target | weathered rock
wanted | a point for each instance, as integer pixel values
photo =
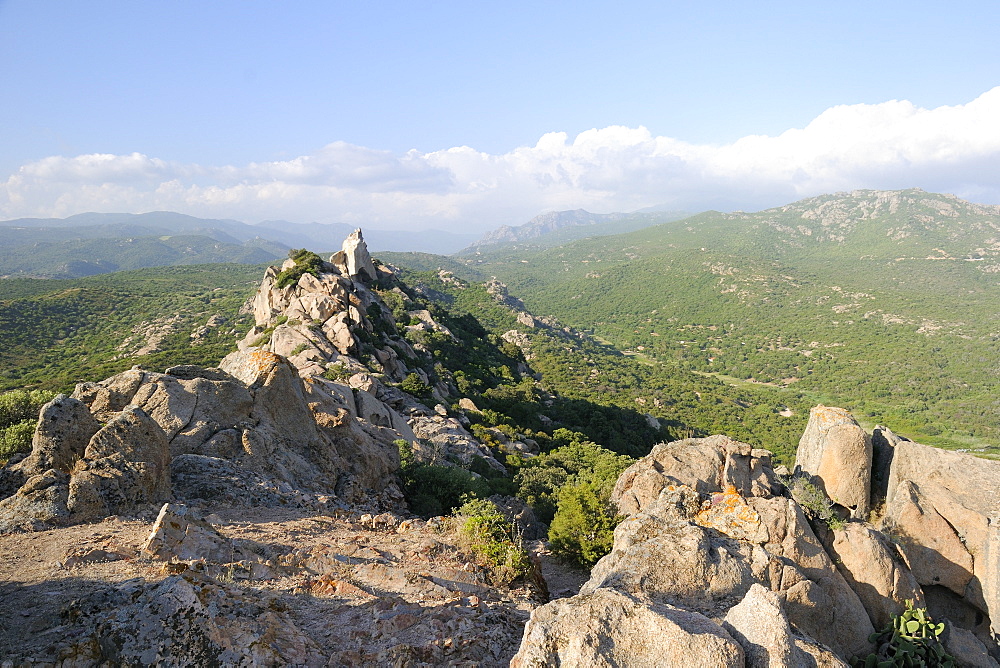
(608, 628)
(875, 571)
(41, 499)
(936, 553)
(759, 624)
(835, 450)
(359, 262)
(679, 564)
(65, 426)
(706, 464)
(190, 619)
(967, 649)
(179, 533)
(819, 601)
(125, 468)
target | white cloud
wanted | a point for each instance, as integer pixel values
(890, 145)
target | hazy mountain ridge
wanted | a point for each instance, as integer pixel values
(68, 247)
(556, 227)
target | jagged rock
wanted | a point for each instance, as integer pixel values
(467, 404)
(818, 600)
(220, 482)
(935, 551)
(706, 464)
(41, 499)
(874, 570)
(179, 533)
(759, 624)
(193, 620)
(111, 396)
(125, 468)
(65, 426)
(359, 262)
(967, 649)
(448, 441)
(835, 450)
(608, 628)
(680, 564)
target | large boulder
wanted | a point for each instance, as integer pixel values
(359, 262)
(705, 464)
(875, 570)
(945, 509)
(609, 628)
(125, 468)
(837, 452)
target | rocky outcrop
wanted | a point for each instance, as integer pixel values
(707, 465)
(194, 620)
(707, 522)
(944, 508)
(837, 453)
(609, 628)
(875, 569)
(123, 469)
(356, 257)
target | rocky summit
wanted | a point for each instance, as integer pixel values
(253, 514)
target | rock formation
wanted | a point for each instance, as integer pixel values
(712, 532)
(837, 452)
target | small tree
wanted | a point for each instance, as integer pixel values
(583, 529)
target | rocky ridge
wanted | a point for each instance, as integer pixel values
(716, 552)
(301, 422)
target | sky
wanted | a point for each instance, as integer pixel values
(466, 116)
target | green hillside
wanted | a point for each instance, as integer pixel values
(887, 303)
(59, 332)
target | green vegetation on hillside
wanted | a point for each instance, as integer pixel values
(60, 332)
(884, 303)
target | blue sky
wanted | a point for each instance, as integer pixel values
(471, 115)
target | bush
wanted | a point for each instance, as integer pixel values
(20, 405)
(306, 262)
(815, 501)
(436, 490)
(18, 417)
(16, 438)
(582, 530)
(494, 540)
(414, 386)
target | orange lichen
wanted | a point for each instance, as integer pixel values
(729, 513)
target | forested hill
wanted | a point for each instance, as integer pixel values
(886, 302)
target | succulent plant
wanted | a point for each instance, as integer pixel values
(911, 639)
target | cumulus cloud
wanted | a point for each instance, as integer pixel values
(889, 145)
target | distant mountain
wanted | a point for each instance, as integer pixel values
(79, 257)
(329, 237)
(558, 227)
(95, 243)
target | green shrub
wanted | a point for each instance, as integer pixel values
(414, 386)
(815, 501)
(20, 405)
(910, 639)
(582, 530)
(16, 438)
(436, 490)
(298, 349)
(494, 540)
(306, 262)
